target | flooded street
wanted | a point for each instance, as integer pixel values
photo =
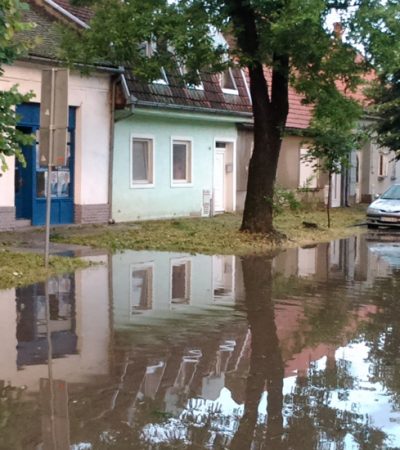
(152, 350)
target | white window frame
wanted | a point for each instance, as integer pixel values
(150, 47)
(189, 164)
(142, 184)
(225, 90)
(188, 280)
(147, 266)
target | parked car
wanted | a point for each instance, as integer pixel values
(385, 210)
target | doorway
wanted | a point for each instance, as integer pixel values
(224, 177)
(31, 180)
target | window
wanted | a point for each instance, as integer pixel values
(142, 162)
(198, 86)
(228, 82)
(149, 49)
(141, 288)
(60, 184)
(180, 282)
(383, 165)
(181, 162)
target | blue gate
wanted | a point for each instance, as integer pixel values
(31, 181)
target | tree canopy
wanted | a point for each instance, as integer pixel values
(378, 32)
(291, 38)
(10, 49)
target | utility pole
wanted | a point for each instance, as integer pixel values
(53, 132)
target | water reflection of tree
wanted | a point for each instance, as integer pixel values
(266, 365)
(382, 334)
(304, 418)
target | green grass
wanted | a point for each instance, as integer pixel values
(218, 235)
(18, 269)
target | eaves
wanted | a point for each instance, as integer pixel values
(218, 113)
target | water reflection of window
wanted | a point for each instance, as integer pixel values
(32, 324)
(142, 288)
(180, 282)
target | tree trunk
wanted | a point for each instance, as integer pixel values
(270, 113)
(270, 109)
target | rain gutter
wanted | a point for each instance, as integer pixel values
(199, 109)
(49, 60)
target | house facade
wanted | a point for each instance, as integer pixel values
(175, 146)
(80, 189)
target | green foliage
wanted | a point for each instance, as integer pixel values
(10, 48)
(334, 132)
(387, 111)
(285, 199)
(376, 27)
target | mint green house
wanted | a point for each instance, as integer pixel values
(175, 146)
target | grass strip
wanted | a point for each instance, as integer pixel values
(217, 235)
(19, 269)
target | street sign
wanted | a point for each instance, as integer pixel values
(53, 118)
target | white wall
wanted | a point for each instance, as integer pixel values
(7, 194)
(91, 97)
(92, 329)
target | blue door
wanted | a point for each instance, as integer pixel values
(31, 181)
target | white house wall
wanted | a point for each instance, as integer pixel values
(163, 198)
(90, 95)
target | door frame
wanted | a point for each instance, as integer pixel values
(62, 207)
(231, 186)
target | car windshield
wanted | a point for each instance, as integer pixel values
(393, 193)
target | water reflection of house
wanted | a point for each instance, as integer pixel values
(161, 282)
(202, 383)
(334, 260)
(79, 328)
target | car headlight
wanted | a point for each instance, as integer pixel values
(373, 211)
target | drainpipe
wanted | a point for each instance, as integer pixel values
(130, 102)
(111, 149)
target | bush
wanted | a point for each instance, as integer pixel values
(285, 199)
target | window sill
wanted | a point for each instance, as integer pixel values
(181, 185)
(142, 186)
(230, 91)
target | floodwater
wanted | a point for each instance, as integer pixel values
(155, 350)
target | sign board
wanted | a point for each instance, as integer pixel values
(53, 117)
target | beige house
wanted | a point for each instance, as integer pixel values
(81, 189)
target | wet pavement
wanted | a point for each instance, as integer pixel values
(158, 350)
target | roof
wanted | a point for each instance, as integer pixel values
(177, 94)
(300, 114)
(44, 34)
(81, 12)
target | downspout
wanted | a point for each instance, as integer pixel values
(130, 101)
(111, 149)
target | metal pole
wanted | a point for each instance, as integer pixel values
(48, 187)
(50, 366)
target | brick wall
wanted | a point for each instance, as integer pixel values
(92, 213)
(7, 218)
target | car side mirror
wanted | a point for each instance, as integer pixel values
(376, 196)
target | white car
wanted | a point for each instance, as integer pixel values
(385, 210)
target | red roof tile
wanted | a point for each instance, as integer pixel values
(83, 13)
